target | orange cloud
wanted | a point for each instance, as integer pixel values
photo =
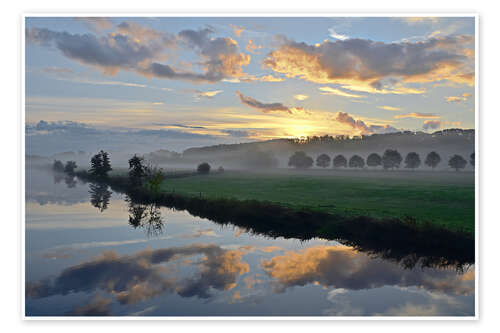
(389, 108)
(343, 267)
(362, 62)
(237, 30)
(458, 99)
(417, 115)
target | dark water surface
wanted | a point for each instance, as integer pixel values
(90, 251)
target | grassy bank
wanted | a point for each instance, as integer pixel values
(443, 199)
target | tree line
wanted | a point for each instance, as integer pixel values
(391, 159)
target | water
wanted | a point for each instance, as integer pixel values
(90, 251)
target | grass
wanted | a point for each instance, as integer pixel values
(444, 199)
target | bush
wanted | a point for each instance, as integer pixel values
(203, 168)
(300, 160)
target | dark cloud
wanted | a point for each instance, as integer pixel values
(431, 124)
(237, 133)
(345, 118)
(264, 107)
(109, 53)
(133, 47)
(142, 276)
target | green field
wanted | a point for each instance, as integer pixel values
(442, 198)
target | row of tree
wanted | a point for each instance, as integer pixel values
(391, 159)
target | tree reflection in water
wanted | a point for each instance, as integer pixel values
(147, 216)
(99, 196)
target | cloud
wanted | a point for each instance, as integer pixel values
(237, 133)
(96, 24)
(344, 268)
(270, 78)
(237, 30)
(420, 19)
(379, 65)
(300, 97)
(141, 276)
(458, 99)
(389, 108)
(109, 53)
(207, 94)
(334, 91)
(361, 126)
(252, 47)
(417, 115)
(336, 35)
(133, 47)
(431, 124)
(99, 306)
(263, 107)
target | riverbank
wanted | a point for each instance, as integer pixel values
(442, 199)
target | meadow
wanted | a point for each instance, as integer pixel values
(444, 199)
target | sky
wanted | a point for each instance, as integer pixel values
(146, 83)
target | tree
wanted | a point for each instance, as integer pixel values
(374, 160)
(300, 160)
(100, 165)
(106, 164)
(391, 159)
(473, 159)
(457, 162)
(58, 166)
(136, 170)
(432, 159)
(96, 165)
(412, 160)
(356, 162)
(323, 161)
(203, 168)
(340, 161)
(70, 167)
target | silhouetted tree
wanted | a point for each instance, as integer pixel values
(340, 161)
(58, 166)
(106, 164)
(391, 159)
(96, 165)
(374, 160)
(220, 169)
(473, 159)
(70, 167)
(300, 160)
(147, 217)
(323, 161)
(137, 171)
(432, 159)
(203, 168)
(356, 162)
(412, 160)
(457, 162)
(100, 165)
(99, 196)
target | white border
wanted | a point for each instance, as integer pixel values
(256, 14)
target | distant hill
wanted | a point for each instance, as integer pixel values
(446, 142)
